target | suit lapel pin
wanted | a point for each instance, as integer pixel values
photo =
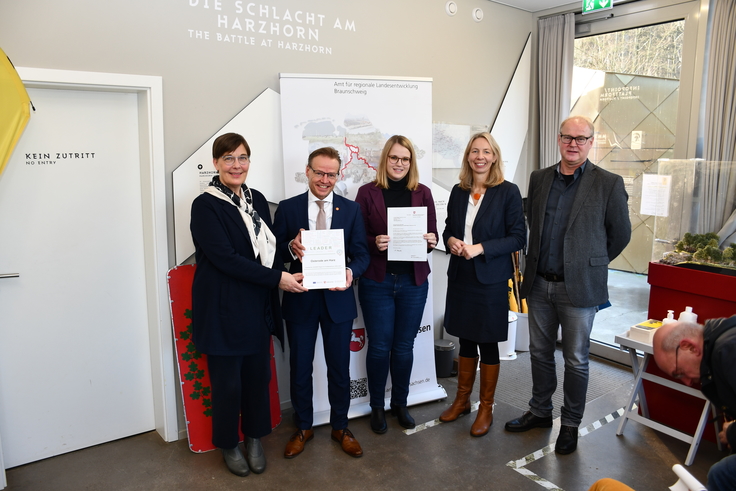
(337, 209)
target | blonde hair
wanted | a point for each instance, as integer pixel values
(382, 173)
(495, 176)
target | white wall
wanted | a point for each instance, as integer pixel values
(207, 82)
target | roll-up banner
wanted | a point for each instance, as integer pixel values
(356, 115)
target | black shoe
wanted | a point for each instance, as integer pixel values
(567, 442)
(402, 414)
(235, 461)
(378, 420)
(527, 421)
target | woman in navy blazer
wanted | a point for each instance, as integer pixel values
(392, 294)
(485, 224)
(235, 307)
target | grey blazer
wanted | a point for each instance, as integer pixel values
(598, 230)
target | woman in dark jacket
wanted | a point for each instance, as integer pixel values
(485, 224)
(235, 306)
(393, 293)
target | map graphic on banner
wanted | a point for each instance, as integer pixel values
(355, 116)
(449, 142)
(360, 145)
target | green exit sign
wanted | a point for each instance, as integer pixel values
(590, 6)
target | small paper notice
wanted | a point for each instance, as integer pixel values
(655, 195)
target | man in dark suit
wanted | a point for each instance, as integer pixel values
(578, 222)
(334, 310)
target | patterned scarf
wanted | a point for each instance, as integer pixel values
(236, 200)
(264, 244)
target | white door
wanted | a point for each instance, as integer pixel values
(75, 366)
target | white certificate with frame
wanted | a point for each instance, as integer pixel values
(406, 228)
(323, 263)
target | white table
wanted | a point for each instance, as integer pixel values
(639, 368)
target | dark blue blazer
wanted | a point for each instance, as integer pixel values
(292, 215)
(235, 305)
(499, 226)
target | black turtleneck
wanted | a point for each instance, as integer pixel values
(397, 196)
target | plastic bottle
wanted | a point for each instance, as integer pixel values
(688, 315)
(670, 317)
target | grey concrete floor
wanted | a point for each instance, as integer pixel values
(441, 456)
(629, 296)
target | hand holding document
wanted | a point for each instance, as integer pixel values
(406, 227)
(323, 263)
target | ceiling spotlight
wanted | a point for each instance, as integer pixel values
(477, 14)
(451, 8)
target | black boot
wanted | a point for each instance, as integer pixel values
(378, 420)
(402, 414)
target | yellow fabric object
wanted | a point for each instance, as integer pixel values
(15, 110)
(513, 306)
(513, 301)
(524, 307)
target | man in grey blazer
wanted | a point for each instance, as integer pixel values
(578, 223)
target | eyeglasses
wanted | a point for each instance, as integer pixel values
(580, 140)
(330, 175)
(395, 159)
(676, 373)
(230, 160)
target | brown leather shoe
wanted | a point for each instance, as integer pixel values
(297, 442)
(348, 442)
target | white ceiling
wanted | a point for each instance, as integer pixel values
(534, 5)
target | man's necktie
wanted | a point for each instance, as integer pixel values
(321, 216)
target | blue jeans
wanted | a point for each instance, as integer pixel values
(722, 475)
(550, 307)
(392, 311)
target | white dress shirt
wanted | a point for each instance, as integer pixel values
(470, 218)
(313, 209)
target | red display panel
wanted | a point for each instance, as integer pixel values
(195, 381)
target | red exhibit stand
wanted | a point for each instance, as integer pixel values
(711, 295)
(195, 381)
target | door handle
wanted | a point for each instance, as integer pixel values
(9, 275)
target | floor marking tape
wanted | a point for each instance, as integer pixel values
(520, 464)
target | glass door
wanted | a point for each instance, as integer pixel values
(628, 79)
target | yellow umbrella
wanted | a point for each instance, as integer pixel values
(15, 109)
